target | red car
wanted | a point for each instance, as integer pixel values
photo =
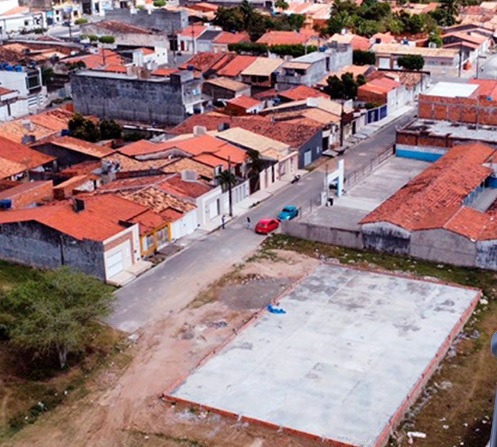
(265, 226)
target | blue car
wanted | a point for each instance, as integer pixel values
(288, 213)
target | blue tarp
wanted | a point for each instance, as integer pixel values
(275, 310)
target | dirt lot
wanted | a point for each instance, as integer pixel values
(123, 408)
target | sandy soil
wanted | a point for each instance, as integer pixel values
(124, 408)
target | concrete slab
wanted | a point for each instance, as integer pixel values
(345, 360)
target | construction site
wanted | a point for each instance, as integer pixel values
(337, 358)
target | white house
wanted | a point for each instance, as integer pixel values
(27, 82)
(12, 106)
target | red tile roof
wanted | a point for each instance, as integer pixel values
(139, 147)
(245, 102)
(236, 66)
(83, 147)
(177, 187)
(196, 30)
(486, 87)
(149, 221)
(360, 43)
(98, 221)
(5, 91)
(434, 198)
(302, 92)
(204, 61)
(293, 132)
(25, 156)
(226, 38)
(286, 37)
(164, 72)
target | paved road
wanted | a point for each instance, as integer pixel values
(488, 67)
(170, 286)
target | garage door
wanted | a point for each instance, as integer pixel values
(114, 264)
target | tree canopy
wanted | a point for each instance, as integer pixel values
(54, 314)
(86, 129)
(245, 17)
(360, 57)
(411, 62)
(344, 87)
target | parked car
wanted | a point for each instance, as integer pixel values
(288, 213)
(265, 226)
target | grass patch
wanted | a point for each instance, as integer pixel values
(32, 387)
(456, 406)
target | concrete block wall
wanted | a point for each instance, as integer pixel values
(132, 99)
(31, 243)
(386, 237)
(159, 19)
(324, 234)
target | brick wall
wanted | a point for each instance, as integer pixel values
(462, 110)
(66, 188)
(365, 95)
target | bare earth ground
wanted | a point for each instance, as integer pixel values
(124, 409)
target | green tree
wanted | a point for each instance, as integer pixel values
(411, 62)
(256, 49)
(110, 130)
(229, 19)
(107, 39)
(451, 11)
(159, 3)
(83, 128)
(47, 75)
(344, 87)
(282, 4)
(360, 57)
(338, 21)
(54, 314)
(413, 24)
(226, 179)
(292, 50)
(435, 39)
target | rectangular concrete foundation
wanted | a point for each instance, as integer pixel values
(345, 361)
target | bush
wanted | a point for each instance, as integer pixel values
(292, 50)
(257, 49)
(93, 38)
(80, 21)
(110, 130)
(107, 39)
(363, 58)
(159, 3)
(411, 62)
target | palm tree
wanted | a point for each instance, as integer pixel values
(226, 179)
(248, 13)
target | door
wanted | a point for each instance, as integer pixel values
(307, 157)
(114, 264)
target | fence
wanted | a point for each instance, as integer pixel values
(359, 174)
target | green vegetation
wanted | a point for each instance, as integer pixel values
(109, 40)
(246, 18)
(110, 130)
(80, 21)
(259, 49)
(159, 3)
(86, 129)
(225, 179)
(282, 4)
(53, 314)
(411, 62)
(435, 39)
(83, 128)
(363, 57)
(344, 87)
(372, 17)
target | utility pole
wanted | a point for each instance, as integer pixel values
(230, 197)
(193, 38)
(341, 124)
(460, 58)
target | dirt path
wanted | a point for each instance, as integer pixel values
(124, 406)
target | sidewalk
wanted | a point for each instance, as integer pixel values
(370, 129)
(239, 209)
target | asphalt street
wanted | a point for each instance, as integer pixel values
(172, 285)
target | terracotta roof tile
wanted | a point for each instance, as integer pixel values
(294, 133)
(236, 66)
(98, 221)
(226, 38)
(302, 92)
(196, 30)
(149, 221)
(189, 164)
(82, 147)
(181, 188)
(286, 37)
(25, 156)
(158, 200)
(9, 168)
(204, 61)
(246, 102)
(434, 198)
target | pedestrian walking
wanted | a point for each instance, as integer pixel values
(223, 221)
(249, 223)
